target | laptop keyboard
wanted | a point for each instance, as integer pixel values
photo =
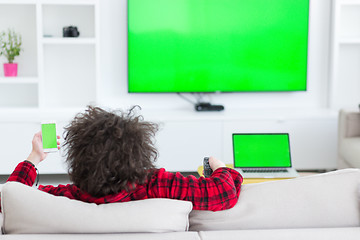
(264, 170)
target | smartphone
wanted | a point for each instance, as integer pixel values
(49, 137)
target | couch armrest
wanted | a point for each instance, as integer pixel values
(349, 124)
(1, 216)
(348, 129)
(1, 223)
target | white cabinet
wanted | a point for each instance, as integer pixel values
(312, 138)
(18, 126)
(184, 141)
(53, 71)
(313, 142)
(345, 70)
(185, 137)
(183, 144)
(17, 138)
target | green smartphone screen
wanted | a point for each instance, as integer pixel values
(261, 150)
(49, 135)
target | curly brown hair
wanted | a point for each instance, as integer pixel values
(109, 151)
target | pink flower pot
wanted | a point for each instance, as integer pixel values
(10, 69)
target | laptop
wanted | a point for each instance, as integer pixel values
(263, 155)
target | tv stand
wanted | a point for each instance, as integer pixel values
(204, 106)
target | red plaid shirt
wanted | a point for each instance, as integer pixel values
(220, 191)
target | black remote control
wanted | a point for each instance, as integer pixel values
(207, 169)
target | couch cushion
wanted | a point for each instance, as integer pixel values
(317, 201)
(349, 150)
(28, 210)
(121, 236)
(285, 234)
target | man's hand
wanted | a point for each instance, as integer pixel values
(37, 154)
(215, 163)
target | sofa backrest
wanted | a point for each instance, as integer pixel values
(318, 201)
(28, 210)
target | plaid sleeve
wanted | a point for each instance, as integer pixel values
(218, 192)
(60, 190)
(24, 173)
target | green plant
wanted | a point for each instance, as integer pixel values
(10, 44)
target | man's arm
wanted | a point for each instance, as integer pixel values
(218, 192)
(24, 173)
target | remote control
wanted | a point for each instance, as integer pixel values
(207, 169)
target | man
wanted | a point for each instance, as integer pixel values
(110, 157)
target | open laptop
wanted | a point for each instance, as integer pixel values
(263, 155)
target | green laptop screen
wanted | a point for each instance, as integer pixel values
(261, 150)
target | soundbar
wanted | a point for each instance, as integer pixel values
(203, 107)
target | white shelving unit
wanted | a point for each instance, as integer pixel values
(345, 62)
(53, 71)
(57, 76)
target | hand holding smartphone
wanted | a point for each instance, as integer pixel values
(49, 137)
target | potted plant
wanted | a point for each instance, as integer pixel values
(10, 47)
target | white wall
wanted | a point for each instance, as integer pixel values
(314, 131)
(114, 68)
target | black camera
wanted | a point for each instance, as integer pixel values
(70, 31)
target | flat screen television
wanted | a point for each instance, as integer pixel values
(217, 46)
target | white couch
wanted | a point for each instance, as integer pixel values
(322, 206)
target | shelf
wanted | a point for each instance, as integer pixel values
(345, 72)
(69, 2)
(350, 40)
(50, 40)
(18, 80)
(35, 114)
(57, 16)
(350, 2)
(49, 2)
(18, 2)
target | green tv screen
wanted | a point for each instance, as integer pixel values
(217, 45)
